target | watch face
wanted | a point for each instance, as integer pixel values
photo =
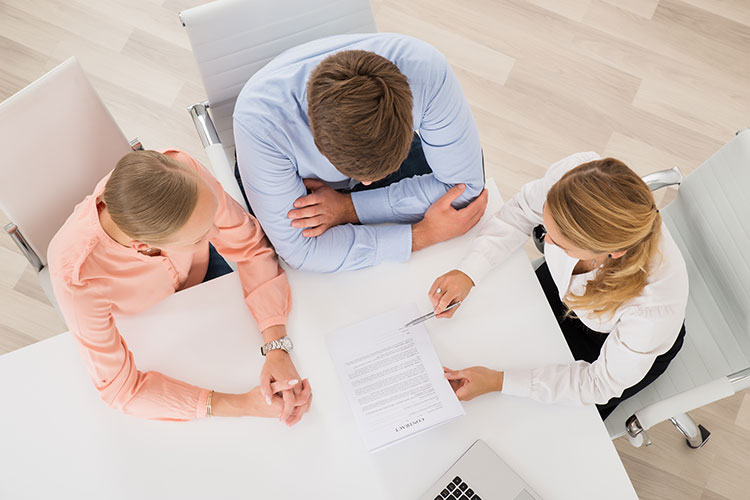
(286, 344)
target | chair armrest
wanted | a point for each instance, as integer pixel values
(740, 380)
(135, 144)
(23, 245)
(204, 124)
(219, 163)
(684, 402)
(224, 172)
(663, 178)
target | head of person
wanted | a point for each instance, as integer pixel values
(157, 201)
(360, 109)
(602, 211)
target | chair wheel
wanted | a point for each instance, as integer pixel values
(704, 438)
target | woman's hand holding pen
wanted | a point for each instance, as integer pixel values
(449, 288)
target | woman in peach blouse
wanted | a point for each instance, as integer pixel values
(151, 228)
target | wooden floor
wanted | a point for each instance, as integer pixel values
(652, 82)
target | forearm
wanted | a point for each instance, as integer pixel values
(408, 199)
(269, 302)
(349, 247)
(232, 405)
(420, 237)
(348, 212)
(273, 333)
(153, 395)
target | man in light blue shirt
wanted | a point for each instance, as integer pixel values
(348, 127)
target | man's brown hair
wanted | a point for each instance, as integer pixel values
(359, 105)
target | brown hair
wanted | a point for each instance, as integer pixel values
(360, 110)
(150, 195)
(603, 206)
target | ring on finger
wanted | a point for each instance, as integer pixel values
(439, 290)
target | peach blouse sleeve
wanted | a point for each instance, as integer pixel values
(240, 239)
(110, 363)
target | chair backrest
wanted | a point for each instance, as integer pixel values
(57, 141)
(710, 221)
(232, 39)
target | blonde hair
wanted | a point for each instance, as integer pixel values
(604, 207)
(150, 196)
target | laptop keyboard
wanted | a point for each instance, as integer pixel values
(457, 490)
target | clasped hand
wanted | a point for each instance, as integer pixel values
(279, 379)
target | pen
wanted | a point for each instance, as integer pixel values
(431, 315)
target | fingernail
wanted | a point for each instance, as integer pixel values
(292, 382)
(268, 400)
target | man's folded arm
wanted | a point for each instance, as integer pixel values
(272, 185)
(450, 142)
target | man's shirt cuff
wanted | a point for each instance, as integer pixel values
(394, 243)
(373, 206)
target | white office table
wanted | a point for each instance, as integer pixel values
(58, 440)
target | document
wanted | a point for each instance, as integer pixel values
(392, 378)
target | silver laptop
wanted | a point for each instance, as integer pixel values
(480, 475)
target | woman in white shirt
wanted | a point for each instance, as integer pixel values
(613, 276)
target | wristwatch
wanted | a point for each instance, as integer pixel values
(284, 343)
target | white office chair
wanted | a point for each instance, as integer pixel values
(58, 140)
(710, 222)
(232, 39)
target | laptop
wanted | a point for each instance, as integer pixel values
(480, 475)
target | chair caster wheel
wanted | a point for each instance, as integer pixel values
(705, 434)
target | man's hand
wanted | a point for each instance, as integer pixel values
(442, 222)
(475, 381)
(449, 288)
(322, 209)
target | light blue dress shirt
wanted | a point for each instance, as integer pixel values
(275, 151)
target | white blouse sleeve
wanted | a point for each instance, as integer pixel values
(641, 334)
(508, 230)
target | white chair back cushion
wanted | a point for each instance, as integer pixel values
(57, 140)
(232, 39)
(710, 222)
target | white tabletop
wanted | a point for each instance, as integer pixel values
(58, 437)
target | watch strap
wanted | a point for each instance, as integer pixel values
(272, 346)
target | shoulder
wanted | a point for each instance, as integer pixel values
(668, 277)
(652, 320)
(397, 44)
(560, 167)
(71, 257)
(556, 170)
(183, 157)
(419, 61)
(650, 328)
(72, 252)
